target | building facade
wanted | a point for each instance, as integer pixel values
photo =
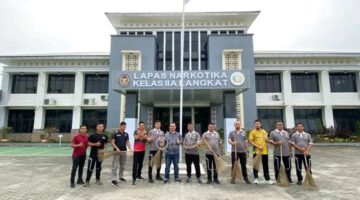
(224, 80)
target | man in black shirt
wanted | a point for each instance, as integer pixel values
(119, 141)
(97, 141)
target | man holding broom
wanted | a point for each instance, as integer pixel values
(282, 150)
(140, 136)
(213, 141)
(172, 152)
(192, 141)
(239, 150)
(258, 137)
(120, 140)
(97, 141)
(302, 142)
(154, 135)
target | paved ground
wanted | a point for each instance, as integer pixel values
(43, 173)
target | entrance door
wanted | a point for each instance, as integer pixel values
(199, 116)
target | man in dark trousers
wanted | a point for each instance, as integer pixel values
(172, 153)
(191, 144)
(140, 136)
(97, 141)
(282, 147)
(154, 135)
(212, 138)
(79, 144)
(302, 142)
(120, 142)
(239, 149)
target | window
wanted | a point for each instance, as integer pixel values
(268, 82)
(304, 82)
(168, 50)
(160, 50)
(61, 83)
(346, 119)
(60, 119)
(269, 117)
(343, 82)
(21, 121)
(203, 46)
(231, 59)
(177, 50)
(91, 117)
(131, 60)
(194, 50)
(96, 83)
(24, 84)
(310, 118)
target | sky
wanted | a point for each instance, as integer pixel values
(65, 26)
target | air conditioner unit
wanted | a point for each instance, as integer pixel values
(275, 97)
(104, 97)
(49, 101)
(89, 101)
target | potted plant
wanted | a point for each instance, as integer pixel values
(47, 134)
(5, 133)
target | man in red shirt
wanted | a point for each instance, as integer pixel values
(139, 152)
(79, 145)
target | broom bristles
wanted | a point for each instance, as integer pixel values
(156, 160)
(283, 180)
(236, 171)
(221, 164)
(256, 161)
(309, 182)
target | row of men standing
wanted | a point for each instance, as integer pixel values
(258, 138)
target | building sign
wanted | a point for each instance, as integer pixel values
(191, 80)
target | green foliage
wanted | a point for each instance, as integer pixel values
(5, 132)
(357, 128)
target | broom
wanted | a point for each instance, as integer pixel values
(309, 183)
(156, 159)
(236, 170)
(221, 165)
(257, 160)
(282, 180)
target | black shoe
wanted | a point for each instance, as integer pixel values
(232, 181)
(72, 185)
(177, 180)
(159, 178)
(122, 179)
(166, 181)
(134, 182)
(299, 183)
(80, 182)
(247, 181)
(199, 181)
(188, 180)
(209, 181)
(217, 181)
(87, 184)
(151, 181)
(114, 183)
(140, 178)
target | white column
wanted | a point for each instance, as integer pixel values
(289, 117)
(78, 97)
(286, 95)
(5, 88)
(40, 96)
(286, 87)
(328, 118)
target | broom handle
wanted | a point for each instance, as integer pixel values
(209, 147)
(307, 167)
(281, 153)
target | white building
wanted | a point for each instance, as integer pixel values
(67, 90)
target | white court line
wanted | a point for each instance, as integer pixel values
(7, 151)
